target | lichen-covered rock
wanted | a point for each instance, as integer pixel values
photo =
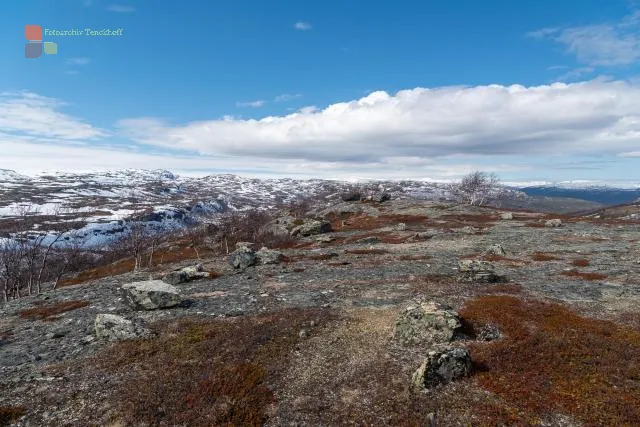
(401, 226)
(312, 227)
(506, 215)
(556, 222)
(242, 258)
(151, 295)
(442, 367)
(269, 256)
(185, 275)
(110, 327)
(427, 323)
(471, 270)
(496, 249)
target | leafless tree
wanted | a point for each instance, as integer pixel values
(476, 187)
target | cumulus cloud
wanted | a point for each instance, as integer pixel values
(588, 117)
(608, 44)
(302, 26)
(26, 113)
(253, 104)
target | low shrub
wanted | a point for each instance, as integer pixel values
(541, 256)
(584, 275)
(582, 262)
(48, 312)
(10, 414)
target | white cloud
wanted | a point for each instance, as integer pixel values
(78, 61)
(118, 8)
(302, 26)
(253, 104)
(608, 44)
(286, 97)
(27, 113)
(575, 74)
(598, 116)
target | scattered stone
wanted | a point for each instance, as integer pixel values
(469, 230)
(312, 227)
(269, 256)
(151, 295)
(442, 367)
(242, 258)
(401, 226)
(110, 327)
(553, 223)
(303, 333)
(489, 333)
(478, 271)
(379, 198)
(506, 215)
(185, 275)
(496, 249)
(427, 323)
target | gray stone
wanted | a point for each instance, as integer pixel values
(427, 323)
(496, 249)
(478, 271)
(442, 367)
(369, 240)
(242, 258)
(553, 223)
(324, 239)
(506, 215)
(151, 295)
(185, 275)
(110, 327)
(401, 226)
(312, 227)
(269, 256)
(249, 245)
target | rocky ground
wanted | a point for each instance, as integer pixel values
(342, 293)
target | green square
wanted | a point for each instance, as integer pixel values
(50, 48)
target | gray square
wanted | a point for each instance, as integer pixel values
(33, 50)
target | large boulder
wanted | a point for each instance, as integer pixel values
(269, 256)
(242, 258)
(151, 295)
(556, 222)
(186, 274)
(496, 249)
(427, 323)
(110, 327)
(442, 367)
(311, 227)
(506, 215)
(471, 270)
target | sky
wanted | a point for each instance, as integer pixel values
(339, 89)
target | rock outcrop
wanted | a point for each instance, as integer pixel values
(427, 323)
(151, 295)
(471, 270)
(496, 249)
(110, 327)
(311, 227)
(269, 256)
(442, 367)
(553, 223)
(242, 258)
(186, 274)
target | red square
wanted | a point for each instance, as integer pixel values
(33, 32)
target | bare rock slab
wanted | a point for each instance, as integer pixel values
(151, 295)
(110, 327)
(186, 274)
(269, 256)
(312, 227)
(442, 367)
(427, 323)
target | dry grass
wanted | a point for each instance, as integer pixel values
(202, 373)
(581, 262)
(49, 312)
(584, 275)
(552, 361)
(542, 256)
(418, 257)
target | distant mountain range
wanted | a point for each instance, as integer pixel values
(599, 194)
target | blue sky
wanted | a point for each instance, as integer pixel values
(337, 89)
